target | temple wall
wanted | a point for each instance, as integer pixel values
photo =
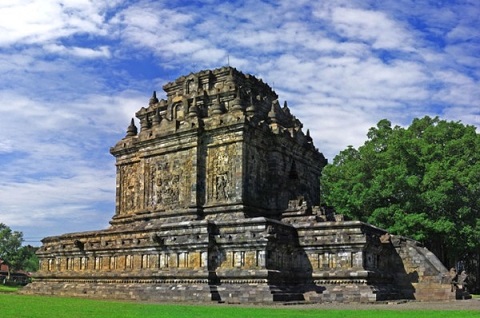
(159, 177)
(277, 171)
(239, 260)
(217, 199)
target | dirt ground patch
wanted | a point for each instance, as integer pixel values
(470, 304)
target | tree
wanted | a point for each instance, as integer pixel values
(10, 246)
(422, 181)
(29, 260)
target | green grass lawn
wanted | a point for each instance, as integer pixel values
(18, 306)
(8, 289)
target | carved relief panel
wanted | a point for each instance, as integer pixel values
(168, 180)
(221, 172)
(129, 188)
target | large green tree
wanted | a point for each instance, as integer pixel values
(422, 181)
(13, 253)
(29, 260)
(10, 244)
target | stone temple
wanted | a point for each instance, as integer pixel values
(217, 199)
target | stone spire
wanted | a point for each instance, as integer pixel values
(251, 108)
(272, 114)
(132, 129)
(286, 110)
(156, 118)
(237, 102)
(193, 110)
(153, 99)
(216, 107)
(144, 123)
(309, 139)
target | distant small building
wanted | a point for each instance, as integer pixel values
(17, 277)
(3, 266)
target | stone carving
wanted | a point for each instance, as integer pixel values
(221, 185)
(130, 188)
(462, 279)
(164, 185)
(458, 282)
(221, 166)
(168, 181)
(385, 238)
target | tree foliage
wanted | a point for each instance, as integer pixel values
(10, 244)
(422, 181)
(13, 253)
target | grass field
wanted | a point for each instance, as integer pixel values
(12, 305)
(8, 289)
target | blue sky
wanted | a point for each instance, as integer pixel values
(73, 73)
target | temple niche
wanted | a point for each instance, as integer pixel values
(217, 199)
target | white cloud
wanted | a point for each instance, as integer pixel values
(75, 72)
(335, 127)
(59, 202)
(38, 23)
(373, 27)
(56, 162)
(158, 29)
(458, 89)
(102, 51)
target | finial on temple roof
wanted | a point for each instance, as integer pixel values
(272, 114)
(216, 107)
(237, 102)
(132, 129)
(193, 110)
(286, 110)
(251, 107)
(309, 139)
(156, 117)
(153, 99)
